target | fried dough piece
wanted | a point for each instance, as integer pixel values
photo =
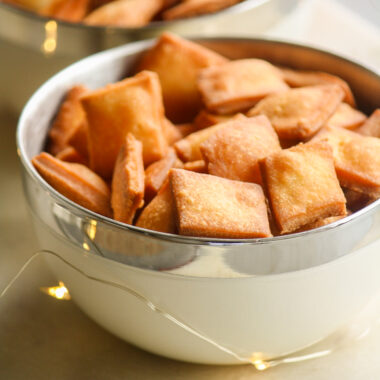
(177, 63)
(234, 151)
(69, 117)
(188, 149)
(68, 10)
(198, 166)
(321, 222)
(187, 128)
(238, 85)
(299, 78)
(356, 157)
(211, 206)
(157, 173)
(125, 13)
(346, 117)
(371, 126)
(128, 181)
(133, 105)
(302, 186)
(70, 154)
(171, 132)
(192, 8)
(299, 113)
(76, 182)
(206, 119)
(79, 139)
(159, 214)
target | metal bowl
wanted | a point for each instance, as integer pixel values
(48, 46)
(265, 297)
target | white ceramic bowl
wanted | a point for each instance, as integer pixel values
(260, 298)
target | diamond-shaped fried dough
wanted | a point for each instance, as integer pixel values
(299, 113)
(128, 181)
(171, 132)
(76, 182)
(356, 157)
(234, 150)
(159, 214)
(207, 119)
(302, 186)
(70, 116)
(371, 126)
(211, 206)
(125, 13)
(67, 10)
(157, 173)
(177, 63)
(188, 149)
(192, 8)
(238, 85)
(133, 105)
(346, 117)
(299, 78)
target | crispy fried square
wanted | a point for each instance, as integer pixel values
(238, 85)
(192, 8)
(302, 186)
(356, 157)
(177, 63)
(211, 206)
(371, 126)
(128, 181)
(346, 117)
(125, 13)
(234, 151)
(157, 173)
(299, 113)
(69, 117)
(159, 214)
(76, 182)
(299, 78)
(133, 105)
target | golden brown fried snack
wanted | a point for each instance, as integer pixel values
(346, 117)
(299, 78)
(67, 10)
(70, 154)
(211, 206)
(371, 126)
(159, 214)
(79, 139)
(128, 181)
(299, 113)
(357, 159)
(302, 186)
(206, 119)
(236, 86)
(125, 13)
(192, 8)
(177, 63)
(70, 117)
(195, 166)
(76, 182)
(187, 128)
(157, 173)
(321, 223)
(133, 105)
(234, 151)
(171, 132)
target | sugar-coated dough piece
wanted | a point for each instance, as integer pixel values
(198, 166)
(302, 186)
(125, 13)
(299, 78)
(234, 151)
(238, 85)
(188, 149)
(346, 117)
(133, 105)
(192, 8)
(371, 126)
(206, 119)
(300, 112)
(70, 116)
(356, 157)
(67, 10)
(76, 182)
(128, 181)
(210, 206)
(157, 172)
(177, 63)
(159, 214)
